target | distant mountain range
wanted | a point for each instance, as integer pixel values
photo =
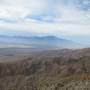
(46, 42)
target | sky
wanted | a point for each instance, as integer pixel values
(62, 18)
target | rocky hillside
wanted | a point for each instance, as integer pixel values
(48, 70)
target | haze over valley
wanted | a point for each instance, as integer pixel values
(44, 44)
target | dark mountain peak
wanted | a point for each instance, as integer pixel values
(46, 37)
(34, 37)
(51, 37)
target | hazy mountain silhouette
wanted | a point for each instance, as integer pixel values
(37, 42)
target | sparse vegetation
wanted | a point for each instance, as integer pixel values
(57, 70)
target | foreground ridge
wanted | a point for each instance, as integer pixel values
(48, 70)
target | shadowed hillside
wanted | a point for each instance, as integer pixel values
(48, 70)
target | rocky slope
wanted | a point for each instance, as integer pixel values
(49, 70)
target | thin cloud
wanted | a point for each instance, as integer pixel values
(54, 17)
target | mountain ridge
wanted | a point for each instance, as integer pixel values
(38, 41)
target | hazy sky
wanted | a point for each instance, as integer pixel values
(63, 18)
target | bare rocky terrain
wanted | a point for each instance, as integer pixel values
(64, 69)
